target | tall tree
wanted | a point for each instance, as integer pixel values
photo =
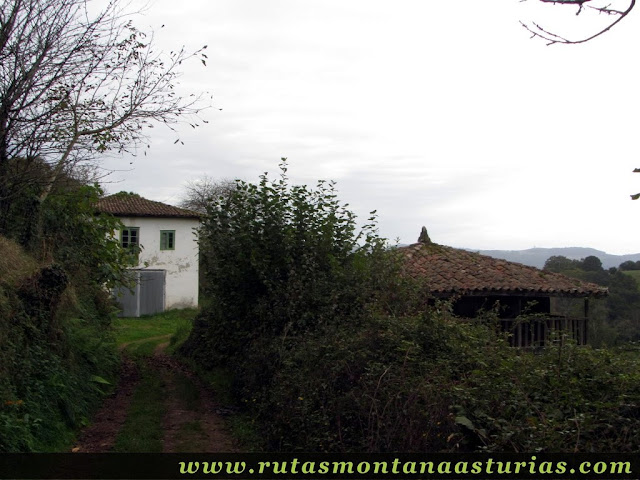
(591, 264)
(205, 192)
(560, 264)
(74, 84)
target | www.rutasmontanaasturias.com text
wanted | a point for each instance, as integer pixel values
(397, 467)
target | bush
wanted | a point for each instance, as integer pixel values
(383, 384)
(332, 350)
(81, 239)
(278, 260)
(57, 354)
(566, 398)
(436, 383)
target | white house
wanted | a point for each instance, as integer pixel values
(165, 238)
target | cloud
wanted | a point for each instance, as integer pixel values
(444, 115)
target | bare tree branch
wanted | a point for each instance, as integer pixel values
(74, 85)
(553, 38)
(201, 193)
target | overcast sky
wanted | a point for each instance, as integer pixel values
(436, 113)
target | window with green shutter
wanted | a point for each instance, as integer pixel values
(167, 239)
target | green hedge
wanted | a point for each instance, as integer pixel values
(56, 353)
(436, 383)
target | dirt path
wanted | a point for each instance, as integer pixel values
(191, 423)
(123, 346)
(101, 435)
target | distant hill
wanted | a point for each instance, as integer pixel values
(537, 256)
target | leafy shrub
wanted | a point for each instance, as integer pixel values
(81, 239)
(57, 354)
(436, 383)
(54, 365)
(372, 386)
(616, 319)
(278, 260)
(565, 398)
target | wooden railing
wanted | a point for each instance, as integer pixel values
(541, 330)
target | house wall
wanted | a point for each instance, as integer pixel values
(181, 263)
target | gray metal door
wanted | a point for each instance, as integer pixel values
(152, 285)
(146, 294)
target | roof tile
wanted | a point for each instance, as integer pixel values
(131, 205)
(450, 270)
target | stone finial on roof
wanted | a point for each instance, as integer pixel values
(424, 236)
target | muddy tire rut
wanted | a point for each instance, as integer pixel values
(190, 424)
(101, 435)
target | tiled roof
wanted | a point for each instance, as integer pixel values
(453, 271)
(132, 205)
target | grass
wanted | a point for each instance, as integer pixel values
(139, 337)
(15, 264)
(190, 436)
(145, 347)
(142, 431)
(241, 425)
(133, 332)
(635, 274)
(188, 392)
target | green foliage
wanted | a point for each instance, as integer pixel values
(80, 238)
(278, 260)
(55, 345)
(57, 354)
(624, 306)
(382, 384)
(560, 264)
(435, 383)
(591, 264)
(620, 320)
(630, 265)
(331, 350)
(566, 398)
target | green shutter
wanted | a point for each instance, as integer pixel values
(167, 239)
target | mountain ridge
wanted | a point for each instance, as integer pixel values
(536, 257)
